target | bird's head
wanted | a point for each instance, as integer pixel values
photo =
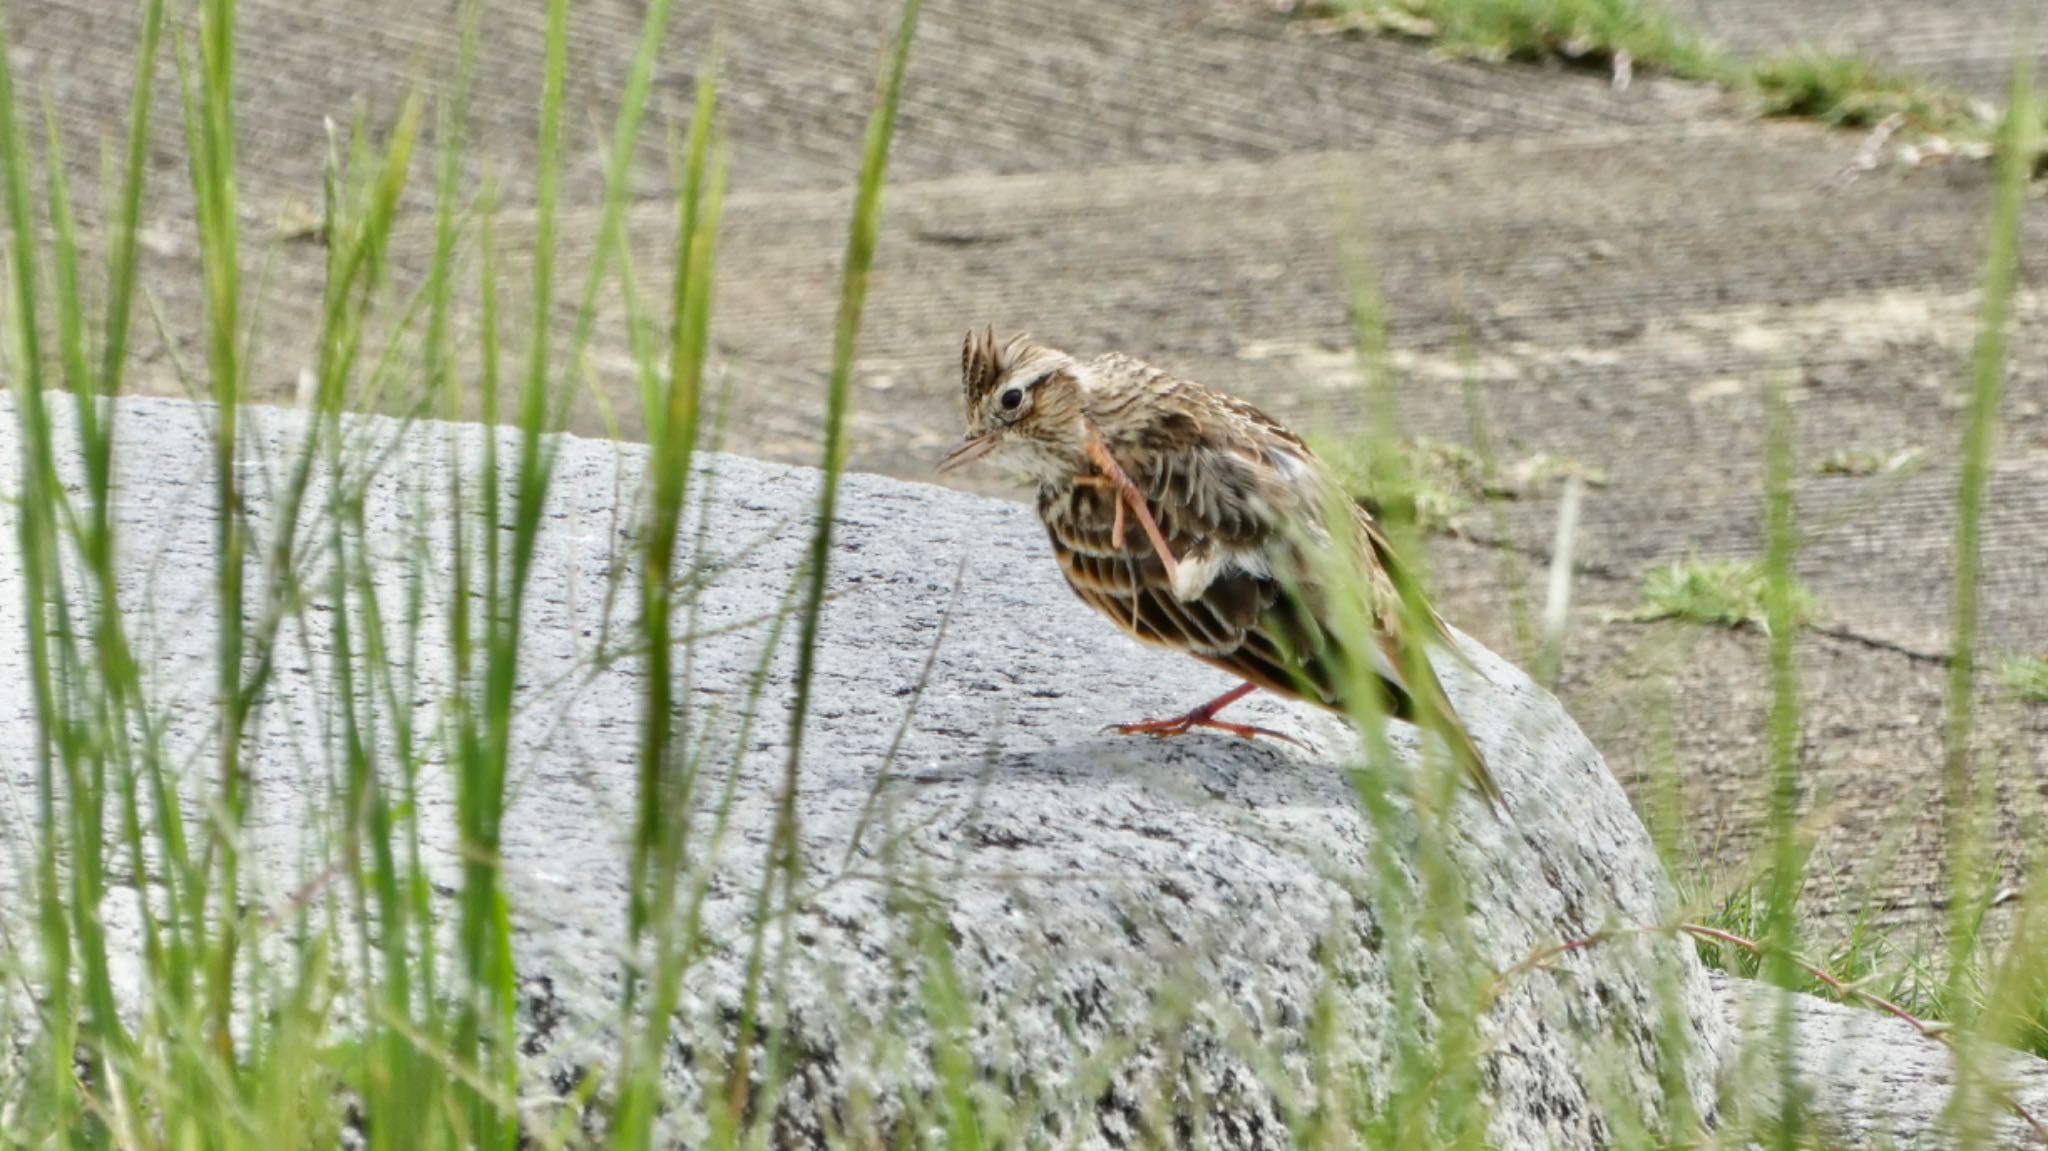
(1026, 407)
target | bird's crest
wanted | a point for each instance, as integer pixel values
(983, 364)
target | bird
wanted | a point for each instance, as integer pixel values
(1196, 522)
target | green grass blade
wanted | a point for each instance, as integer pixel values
(209, 110)
(1788, 864)
(1965, 796)
(665, 799)
(484, 1033)
(783, 858)
(37, 511)
(121, 257)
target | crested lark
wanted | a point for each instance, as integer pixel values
(1228, 509)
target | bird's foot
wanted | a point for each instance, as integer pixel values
(1182, 724)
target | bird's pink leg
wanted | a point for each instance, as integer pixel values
(1205, 716)
(1135, 498)
(1116, 527)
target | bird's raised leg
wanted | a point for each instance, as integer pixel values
(1114, 473)
(1116, 527)
(1116, 533)
(1204, 716)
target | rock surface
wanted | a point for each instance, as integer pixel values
(1133, 921)
(1875, 1081)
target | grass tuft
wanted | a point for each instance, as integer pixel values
(1589, 33)
(2025, 676)
(1622, 37)
(1432, 483)
(1865, 954)
(1852, 92)
(1731, 593)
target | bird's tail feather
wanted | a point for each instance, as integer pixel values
(1468, 756)
(1430, 700)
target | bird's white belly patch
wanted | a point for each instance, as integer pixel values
(1195, 572)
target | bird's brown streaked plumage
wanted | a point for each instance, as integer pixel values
(1196, 522)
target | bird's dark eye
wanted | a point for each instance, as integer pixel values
(1012, 398)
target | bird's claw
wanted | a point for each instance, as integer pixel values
(1182, 724)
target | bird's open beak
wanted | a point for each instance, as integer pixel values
(969, 449)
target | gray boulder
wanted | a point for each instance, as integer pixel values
(1870, 1080)
(1151, 938)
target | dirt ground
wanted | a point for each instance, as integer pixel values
(1615, 276)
